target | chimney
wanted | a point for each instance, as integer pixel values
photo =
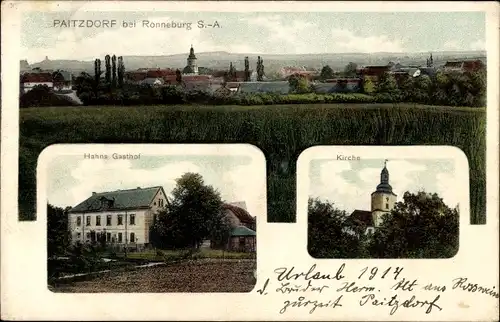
(93, 193)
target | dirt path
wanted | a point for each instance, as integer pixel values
(194, 276)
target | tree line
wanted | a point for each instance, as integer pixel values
(419, 226)
(450, 89)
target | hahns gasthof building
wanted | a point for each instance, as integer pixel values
(124, 216)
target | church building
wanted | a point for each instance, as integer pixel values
(192, 67)
(383, 200)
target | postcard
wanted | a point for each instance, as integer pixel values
(111, 208)
(255, 161)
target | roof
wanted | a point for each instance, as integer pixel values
(363, 217)
(374, 70)
(136, 76)
(241, 204)
(264, 87)
(196, 78)
(219, 73)
(138, 198)
(197, 86)
(242, 231)
(188, 70)
(324, 88)
(36, 78)
(453, 64)
(240, 213)
(158, 73)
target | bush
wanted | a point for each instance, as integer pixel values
(41, 96)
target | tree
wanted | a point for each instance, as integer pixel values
(247, 70)
(260, 69)
(113, 76)
(388, 87)
(194, 214)
(178, 77)
(232, 72)
(107, 75)
(326, 73)
(350, 69)
(477, 81)
(58, 236)
(421, 226)
(120, 71)
(422, 89)
(368, 86)
(331, 234)
(299, 84)
(97, 73)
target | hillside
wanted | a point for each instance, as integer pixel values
(221, 60)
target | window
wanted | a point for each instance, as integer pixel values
(132, 237)
(386, 206)
(98, 220)
(108, 220)
(132, 219)
(119, 237)
(242, 241)
(78, 235)
(120, 220)
(160, 202)
(88, 221)
(108, 237)
(88, 236)
(78, 221)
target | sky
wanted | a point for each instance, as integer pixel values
(250, 32)
(349, 184)
(71, 179)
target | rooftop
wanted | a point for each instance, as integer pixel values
(138, 198)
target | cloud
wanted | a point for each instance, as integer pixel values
(302, 37)
(446, 184)
(346, 41)
(478, 45)
(240, 184)
(451, 45)
(107, 175)
(353, 195)
(245, 184)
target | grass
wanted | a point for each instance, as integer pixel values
(161, 255)
(193, 276)
(282, 132)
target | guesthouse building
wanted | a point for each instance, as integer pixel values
(121, 217)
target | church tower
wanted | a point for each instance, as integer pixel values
(192, 67)
(383, 199)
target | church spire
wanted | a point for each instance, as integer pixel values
(384, 185)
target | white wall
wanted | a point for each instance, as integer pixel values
(139, 228)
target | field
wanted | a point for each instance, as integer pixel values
(282, 132)
(208, 275)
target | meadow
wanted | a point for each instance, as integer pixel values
(282, 132)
